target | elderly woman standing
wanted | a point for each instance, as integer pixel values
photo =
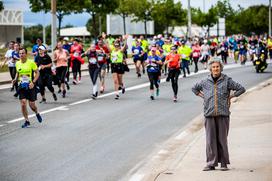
(215, 90)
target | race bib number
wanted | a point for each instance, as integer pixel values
(195, 54)
(114, 58)
(136, 51)
(242, 46)
(100, 58)
(76, 54)
(92, 60)
(25, 79)
(222, 48)
(183, 56)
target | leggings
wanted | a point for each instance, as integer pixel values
(153, 79)
(12, 71)
(94, 72)
(195, 59)
(76, 68)
(174, 75)
(61, 73)
(45, 81)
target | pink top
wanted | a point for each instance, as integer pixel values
(61, 57)
(196, 51)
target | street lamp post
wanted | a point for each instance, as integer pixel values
(54, 23)
(189, 19)
(269, 17)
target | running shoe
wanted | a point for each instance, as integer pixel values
(59, 91)
(43, 100)
(67, 85)
(139, 75)
(75, 82)
(15, 95)
(117, 97)
(152, 98)
(39, 117)
(63, 93)
(123, 90)
(55, 97)
(175, 99)
(157, 92)
(102, 90)
(26, 124)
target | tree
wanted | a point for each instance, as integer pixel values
(167, 13)
(142, 12)
(1, 5)
(63, 8)
(98, 8)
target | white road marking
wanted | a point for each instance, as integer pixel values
(137, 177)
(32, 115)
(1, 125)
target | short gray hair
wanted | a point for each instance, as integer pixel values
(214, 60)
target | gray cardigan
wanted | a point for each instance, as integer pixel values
(216, 94)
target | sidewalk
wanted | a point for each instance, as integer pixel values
(250, 145)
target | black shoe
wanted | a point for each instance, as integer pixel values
(26, 124)
(55, 97)
(63, 93)
(184, 75)
(152, 98)
(139, 75)
(43, 100)
(143, 71)
(208, 168)
(167, 79)
(120, 88)
(68, 87)
(116, 97)
(93, 96)
(15, 95)
(59, 91)
(11, 89)
(39, 117)
(123, 90)
(224, 167)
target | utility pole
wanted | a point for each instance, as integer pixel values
(269, 17)
(54, 23)
(189, 19)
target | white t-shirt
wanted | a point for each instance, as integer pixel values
(8, 55)
(205, 49)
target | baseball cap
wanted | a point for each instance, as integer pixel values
(66, 38)
(42, 48)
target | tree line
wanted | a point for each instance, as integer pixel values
(164, 13)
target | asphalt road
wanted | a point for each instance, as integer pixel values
(99, 139)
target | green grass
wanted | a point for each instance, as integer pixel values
(4, 69)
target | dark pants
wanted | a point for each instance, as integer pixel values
(68, 70)
(45, 81)
(94, 72)
(217, 129)
(224, 56)
(61, 73)
(174, 75)
(195, 59)
(76, 68)
(185, 65)
(12, 72)
(153, 79)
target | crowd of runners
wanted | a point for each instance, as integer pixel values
(155, 56)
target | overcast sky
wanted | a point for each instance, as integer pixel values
(81, 19)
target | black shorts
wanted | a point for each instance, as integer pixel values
(29, 94)
(117, 68)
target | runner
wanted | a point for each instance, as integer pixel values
(11, 64)
(153, 63)
(205, 53)
(185, 53)
(173, 61)
(76, 60)
(25, 69)
(145, 49)
(137, 53)
(117, 67)
(67, 46)
(102, 50)
(166, 51)
(92, 56)
(61, 57)
(44, 64)
(196, 54)
(35, 49)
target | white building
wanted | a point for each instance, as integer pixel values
(11, 26)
